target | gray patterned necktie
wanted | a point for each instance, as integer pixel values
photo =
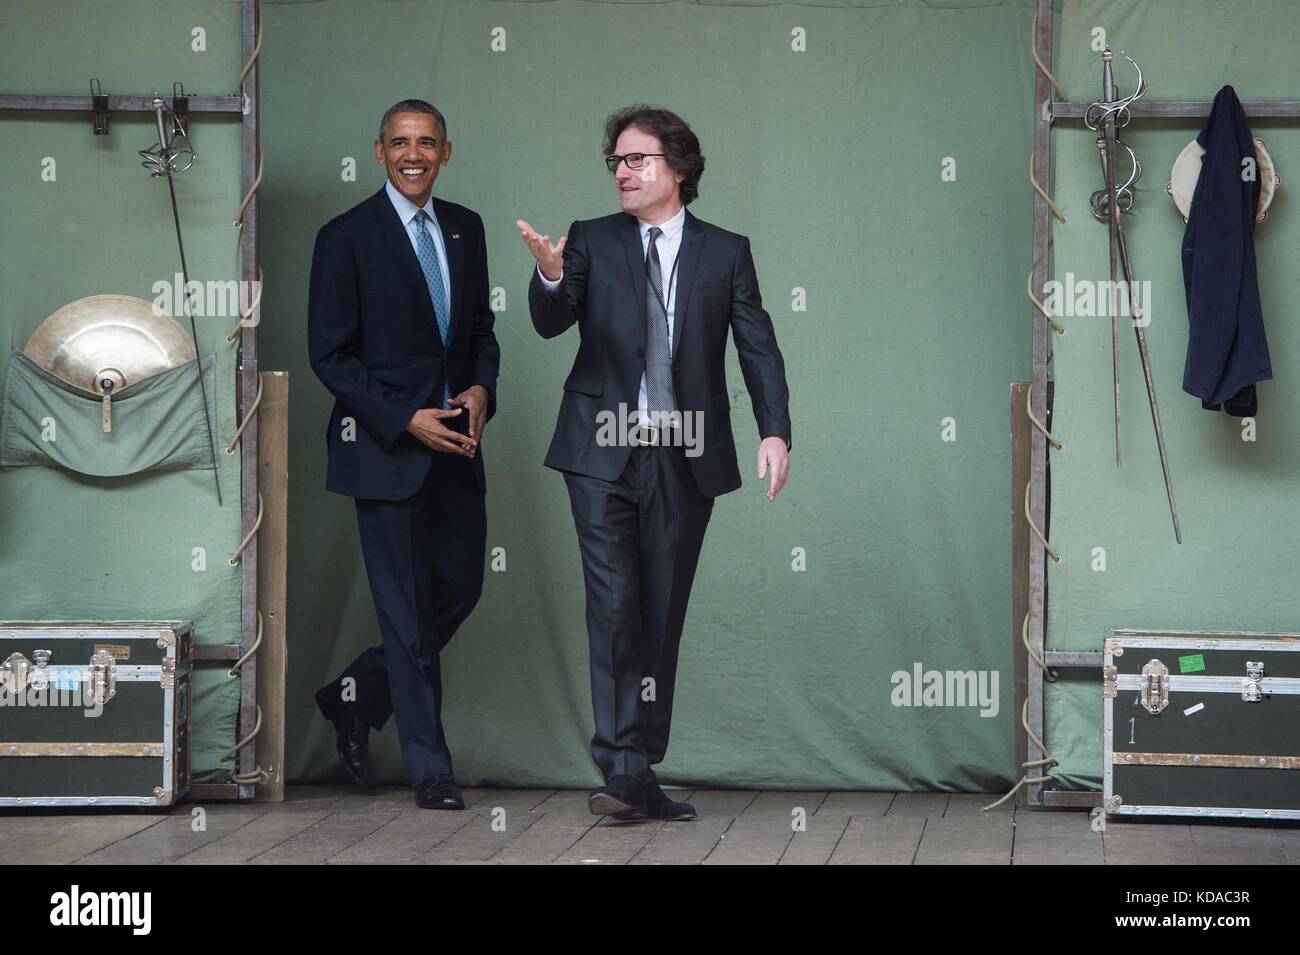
(427, 253)
(658, 359)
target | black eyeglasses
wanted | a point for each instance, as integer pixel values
(633, 160)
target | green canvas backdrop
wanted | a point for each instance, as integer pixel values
(830, 159)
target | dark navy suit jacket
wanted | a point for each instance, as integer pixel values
(374, 342)
(1227, 351)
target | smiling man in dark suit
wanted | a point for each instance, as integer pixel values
(654, 292)
(400, 332)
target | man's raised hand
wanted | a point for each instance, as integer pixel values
(550, 258)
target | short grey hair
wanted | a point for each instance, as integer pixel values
(413, 106)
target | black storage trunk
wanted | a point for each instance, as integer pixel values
(94, 713)
(1202, 724)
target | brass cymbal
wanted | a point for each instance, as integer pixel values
(115, 336)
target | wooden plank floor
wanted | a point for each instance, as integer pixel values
(338, 825)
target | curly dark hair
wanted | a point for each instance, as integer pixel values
(681, 147)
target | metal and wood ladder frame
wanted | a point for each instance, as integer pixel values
(246, 106)
(1030, 577)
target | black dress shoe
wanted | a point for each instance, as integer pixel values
(353, 742)
(621, 794)
(439, 792)
(659, 806)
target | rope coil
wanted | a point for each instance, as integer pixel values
(1048, 760)
(256, 776)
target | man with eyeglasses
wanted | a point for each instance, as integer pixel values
(654, 292)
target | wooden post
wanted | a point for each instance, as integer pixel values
(272, 577)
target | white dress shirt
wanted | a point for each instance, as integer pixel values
(668, 244)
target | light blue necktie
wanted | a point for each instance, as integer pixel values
(427, 253)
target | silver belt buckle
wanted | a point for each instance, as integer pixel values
(645, 435)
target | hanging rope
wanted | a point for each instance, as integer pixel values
(230, 753)
(258, 776)
(234, 558)
(233, 672)
(1056, 558)
(1039, 189)
(1029, 410)
(252, 306)
(1029, 288)
(248, 197)
(1048, 760)
(230, 448)
(257, 48)
(1049, 673)
(1033, 51)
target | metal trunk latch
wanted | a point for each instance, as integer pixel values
(13, 673)
(39, 678)
(1250, 691)
(1109, 682)
(103, 677)
(1155, 687)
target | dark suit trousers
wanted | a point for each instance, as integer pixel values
(640, 538)
(424, 558)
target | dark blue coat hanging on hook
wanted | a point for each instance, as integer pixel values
(1226, 349)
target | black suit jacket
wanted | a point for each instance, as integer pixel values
(603, 291)
(374, 342)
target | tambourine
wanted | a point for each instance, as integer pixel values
(1187, 169)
